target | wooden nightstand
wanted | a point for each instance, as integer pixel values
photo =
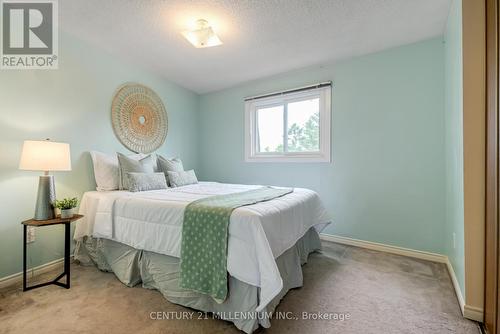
(67, 244)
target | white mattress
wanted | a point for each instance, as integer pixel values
(258, 233)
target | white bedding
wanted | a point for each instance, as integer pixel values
(258, 233)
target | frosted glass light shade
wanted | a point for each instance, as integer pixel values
(45, 156)
(202, 37)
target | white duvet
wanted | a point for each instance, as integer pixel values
(258, 233)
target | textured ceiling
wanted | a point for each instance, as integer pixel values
(261, 37)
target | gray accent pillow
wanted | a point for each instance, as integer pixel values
(178, 179)
(127, 165)
(169, 165)
(146, 181)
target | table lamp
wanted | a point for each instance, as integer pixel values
(45, 156)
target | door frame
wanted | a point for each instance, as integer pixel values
(491, 314)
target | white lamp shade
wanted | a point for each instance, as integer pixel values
(45, 156)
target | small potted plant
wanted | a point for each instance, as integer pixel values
(66, 206)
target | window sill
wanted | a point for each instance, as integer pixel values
(289, 158)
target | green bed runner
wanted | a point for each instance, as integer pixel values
(204, 239)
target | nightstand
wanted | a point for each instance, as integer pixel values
(67, 244)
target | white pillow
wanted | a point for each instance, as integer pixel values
(106, 169)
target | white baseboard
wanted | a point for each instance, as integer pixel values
(456, 285)
(385, 248)
(18, 277)
(474, 313)
(468, 311)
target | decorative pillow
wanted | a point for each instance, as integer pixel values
(128, 165)
(169, 165)
(146, 181)
(178, 179)
(106, 170)
(173, 165)
(155, 163)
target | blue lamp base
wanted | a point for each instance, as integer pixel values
(44, 209)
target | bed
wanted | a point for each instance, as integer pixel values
(138, 237)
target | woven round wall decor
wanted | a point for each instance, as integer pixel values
(139, 118)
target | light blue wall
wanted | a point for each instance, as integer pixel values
(386, 182)
(454, 142)
(71, 105)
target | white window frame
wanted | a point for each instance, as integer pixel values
(325, 110)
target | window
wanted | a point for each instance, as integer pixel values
(292, 126)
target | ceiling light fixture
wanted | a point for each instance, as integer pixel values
(203, 36)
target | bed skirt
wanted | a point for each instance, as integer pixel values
(161, 272)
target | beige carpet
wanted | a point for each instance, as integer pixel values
(381, 293)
